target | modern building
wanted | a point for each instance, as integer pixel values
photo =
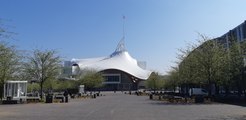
(120, 70)
(238, 33)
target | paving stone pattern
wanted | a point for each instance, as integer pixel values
(119, 106)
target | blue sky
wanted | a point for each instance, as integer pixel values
(155, 29)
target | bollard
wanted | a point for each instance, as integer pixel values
(151, 96)
(199, 99)
(159, 97)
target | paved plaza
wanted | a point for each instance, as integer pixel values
(119, 106)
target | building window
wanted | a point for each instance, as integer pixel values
(112, 78)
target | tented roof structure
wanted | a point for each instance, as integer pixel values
(120, 59)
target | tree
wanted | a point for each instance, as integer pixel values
(202, 64)
(9, 58)
(188, 68)
(172, 80)
(210, 58)
(91, 79)
(43, 66)
(212, 64)
(236, 65)
(9, 64)
(154, 81)
(243, 53)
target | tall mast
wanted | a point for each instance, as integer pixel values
(121, 45)
(123, 17)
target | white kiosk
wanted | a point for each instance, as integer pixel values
(15, 90)
(82, 89)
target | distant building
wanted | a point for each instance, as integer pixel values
(121, 71)
(238, 33)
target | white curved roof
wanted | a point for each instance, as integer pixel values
(120, 60)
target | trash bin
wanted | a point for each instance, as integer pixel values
(49, 98)
(151, 96)
(94, 96)
(9, 98)
(199, 99)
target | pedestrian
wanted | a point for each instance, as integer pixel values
(66, 95)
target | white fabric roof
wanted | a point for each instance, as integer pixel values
(120, 60)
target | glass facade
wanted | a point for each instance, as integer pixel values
(238, 34)
(244, 31)
(118, 80)
(112, 78)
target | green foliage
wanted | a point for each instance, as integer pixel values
(236, 65)
(31, 87)
(63, 85)
(91, 79)
(203, 64)
(209, 63)
(155, 81)
(54, 85)
(172, 79)
(49, 84)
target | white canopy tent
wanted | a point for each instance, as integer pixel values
(120, 59)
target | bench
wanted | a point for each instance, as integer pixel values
(9, 102)
(61, 98)
(33, 99)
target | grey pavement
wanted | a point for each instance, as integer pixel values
(119, 106)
